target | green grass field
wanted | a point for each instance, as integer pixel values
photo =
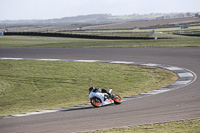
(56, 42)
(48, 42)
(187, 126)
(136, 32)
(27, 86)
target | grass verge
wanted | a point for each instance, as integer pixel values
(27, 86)
(187, 126)
(47, 42)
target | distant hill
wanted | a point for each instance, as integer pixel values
(85, 18)
(90, 20)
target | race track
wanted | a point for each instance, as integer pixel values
(179, 104)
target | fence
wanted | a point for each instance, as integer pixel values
(73, 35)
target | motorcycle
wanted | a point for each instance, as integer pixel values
(103, 97)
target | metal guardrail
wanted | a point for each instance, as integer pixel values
(74, 35)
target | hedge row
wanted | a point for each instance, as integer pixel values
(187, 34)
(72, 35)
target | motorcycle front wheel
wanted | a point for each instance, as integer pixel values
(96, 102)
(117, 99)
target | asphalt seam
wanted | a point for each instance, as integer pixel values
(186, 77)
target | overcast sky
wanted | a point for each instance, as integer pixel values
(48, 9)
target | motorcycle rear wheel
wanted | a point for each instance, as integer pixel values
(96, 102)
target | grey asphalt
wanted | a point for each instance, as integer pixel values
(179, 104)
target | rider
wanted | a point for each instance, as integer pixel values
(99, 90)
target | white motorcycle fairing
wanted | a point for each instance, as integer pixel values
(101, 96)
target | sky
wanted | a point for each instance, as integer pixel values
(49, 9)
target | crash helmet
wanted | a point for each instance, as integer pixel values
(91, 89)
(97, 90)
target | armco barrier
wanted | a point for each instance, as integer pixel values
(73, 35)
(187, 34)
